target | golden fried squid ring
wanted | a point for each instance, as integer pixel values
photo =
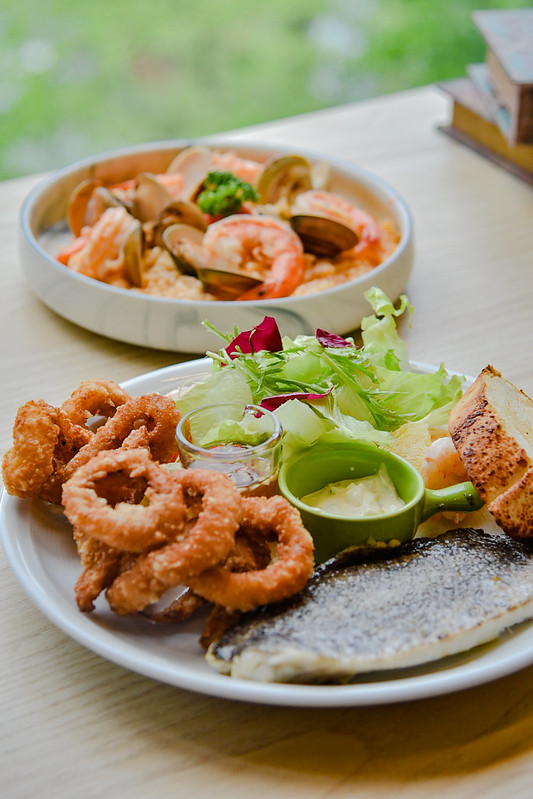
(46, 438)
(103, 500)
(101, 564)
(96, 397)
(158, 414)
(207, 538)
(44, 441)
(285, 575)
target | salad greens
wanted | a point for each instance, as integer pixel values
(325, 388)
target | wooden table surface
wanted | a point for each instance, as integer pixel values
(74, 724)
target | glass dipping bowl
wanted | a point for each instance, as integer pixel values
(243, 441)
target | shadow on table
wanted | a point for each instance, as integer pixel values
(458, 734)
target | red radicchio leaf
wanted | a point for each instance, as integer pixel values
(331, 339)
(265, 336)
(273, 402)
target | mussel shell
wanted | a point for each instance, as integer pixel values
(322, 236)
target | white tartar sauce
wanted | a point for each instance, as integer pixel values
(365, 496)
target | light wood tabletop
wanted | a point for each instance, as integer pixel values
(74, 724)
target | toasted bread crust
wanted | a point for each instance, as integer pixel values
(513, 509)
(492, 429)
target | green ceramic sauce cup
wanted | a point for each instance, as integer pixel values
(314, 468)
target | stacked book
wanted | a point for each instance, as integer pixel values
(493, 104)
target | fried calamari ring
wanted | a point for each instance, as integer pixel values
(214, 510)
(285, 575)
(101, 565)
(96, 397)
(158, 414)
(137, 438)
(44, 442)
(103, 500)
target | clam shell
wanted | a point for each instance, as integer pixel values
(322, 236)
(284, 176)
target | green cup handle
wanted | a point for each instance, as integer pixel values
(460, 497)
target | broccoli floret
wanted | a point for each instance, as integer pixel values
(223, 193)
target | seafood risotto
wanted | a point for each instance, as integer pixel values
(218, 226)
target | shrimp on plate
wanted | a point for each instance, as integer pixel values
(442, 466)
(99, 250)
(259, 245)
(325, 203)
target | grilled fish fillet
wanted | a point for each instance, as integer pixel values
(380, 609)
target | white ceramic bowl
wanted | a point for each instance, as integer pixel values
(176, 325)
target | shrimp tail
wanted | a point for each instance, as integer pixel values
(285, 277)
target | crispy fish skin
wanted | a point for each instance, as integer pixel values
(372, 610)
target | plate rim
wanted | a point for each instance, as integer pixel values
(95, 637)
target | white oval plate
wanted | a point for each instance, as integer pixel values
(39, 547)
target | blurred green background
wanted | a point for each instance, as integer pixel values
(78, 78)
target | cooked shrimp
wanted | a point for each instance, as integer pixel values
(101, 252)
(442, 465)
(340, 209)
(243, 168)
(72, 247)
(258, 245)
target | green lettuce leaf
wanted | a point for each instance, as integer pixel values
(369, 390)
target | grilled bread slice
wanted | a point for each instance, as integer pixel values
(492, 429)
